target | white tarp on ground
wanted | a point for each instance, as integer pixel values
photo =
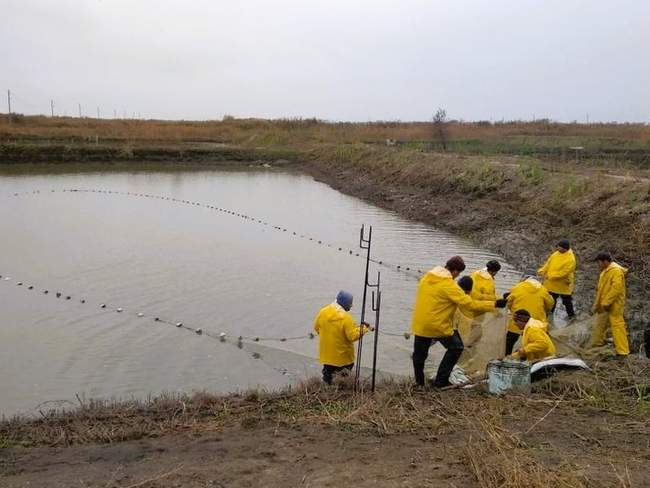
(557, 363)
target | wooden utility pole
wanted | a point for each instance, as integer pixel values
(52, 107)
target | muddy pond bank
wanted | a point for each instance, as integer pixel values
(576, 429)
(514, 207)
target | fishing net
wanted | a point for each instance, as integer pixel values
(484, 338)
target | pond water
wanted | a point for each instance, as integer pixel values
(189, 262)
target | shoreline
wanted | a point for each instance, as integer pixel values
(490, 219)
(516, 207)
(309, 435)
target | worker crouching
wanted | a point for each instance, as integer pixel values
(337, 331)
(530, 295)
(535, 342)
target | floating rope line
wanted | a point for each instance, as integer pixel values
(235, 340)
(410, 271)
(180, 325)
(239, 340)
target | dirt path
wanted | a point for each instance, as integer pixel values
(270, 456)
(576, 429)
(598, 447)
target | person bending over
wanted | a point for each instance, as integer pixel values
(337, 333)
(437, 299)
(528, 294)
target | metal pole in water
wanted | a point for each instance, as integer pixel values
(363, 244)
(376, 306)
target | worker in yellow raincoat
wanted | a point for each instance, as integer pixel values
(483, 281)
(528, 294)
(437, 299)
(609, 305)
(467, 316)
(535, 342)
(559, 273)
(338, 331)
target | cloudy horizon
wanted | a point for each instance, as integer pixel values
(362, 60)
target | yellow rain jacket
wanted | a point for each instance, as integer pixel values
(483, 288)
(610, 293)
(338, 331)
(610, 304)
(536, 343)
(559, 272)
(532, 296)
(437, 298)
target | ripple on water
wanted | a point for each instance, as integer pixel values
(189, 263)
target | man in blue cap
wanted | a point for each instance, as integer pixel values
(338, 331)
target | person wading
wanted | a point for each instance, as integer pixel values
(437, 299)
(559, 274)
(535, 342)
(530, 295)
(337, 333)
(610, 304)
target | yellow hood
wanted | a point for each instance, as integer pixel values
(484, 273)
(437, 274)
(532, 284)
(614, 266)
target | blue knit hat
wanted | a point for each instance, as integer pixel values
(344, 299)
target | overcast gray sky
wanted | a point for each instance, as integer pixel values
(334, 59)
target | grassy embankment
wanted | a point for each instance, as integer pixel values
(513, 187)
(603, 143)
(575, 430)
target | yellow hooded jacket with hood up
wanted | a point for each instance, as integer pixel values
(532, 296)
(610, 294)
(536, 343)
(559, 272)
(483, 287)
(338, 331)
(437, 298)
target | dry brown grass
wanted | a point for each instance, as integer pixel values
(498, 447)
(296, 132)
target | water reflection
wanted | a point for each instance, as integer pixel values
(189, 263)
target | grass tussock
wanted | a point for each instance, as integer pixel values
(618, 386)
(499, 459)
